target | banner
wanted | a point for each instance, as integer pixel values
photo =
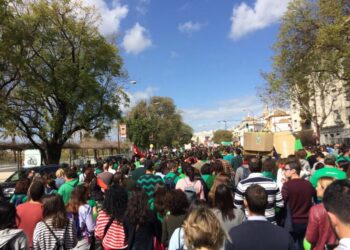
(122, 130)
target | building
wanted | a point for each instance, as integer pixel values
(278, 121)
(335, 107)
(249, 124)
(202, 137)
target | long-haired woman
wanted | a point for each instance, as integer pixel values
(224, 210)
(110, 221)
(190, 182)
(81, 213)
(142, 224)
(55, 228)
(221, 178)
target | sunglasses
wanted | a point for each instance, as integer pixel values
(286, 169)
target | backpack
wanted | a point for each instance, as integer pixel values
(246, 173)
(190, 193)
(59, 245)
(18, 199)
(170, 182)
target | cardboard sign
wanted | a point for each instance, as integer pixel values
(258, 142)
(284, 143)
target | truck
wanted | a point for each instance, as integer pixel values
(32, 158)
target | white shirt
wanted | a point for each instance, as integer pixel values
(257, 217)
(112, 171)
(344, 244)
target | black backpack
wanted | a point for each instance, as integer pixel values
(170, 182)
(59, 245)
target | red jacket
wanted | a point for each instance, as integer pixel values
(319, 231)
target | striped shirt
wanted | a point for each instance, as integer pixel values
(148, 182)
(115, 237)
(43, 238)
(274, 198)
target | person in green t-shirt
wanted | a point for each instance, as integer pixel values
(170, 178)
(329, 170)
(71, 181)
(207, 175)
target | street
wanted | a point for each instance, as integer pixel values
(6, 170)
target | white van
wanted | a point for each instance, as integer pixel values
(32, 158)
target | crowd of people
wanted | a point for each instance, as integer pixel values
(200, 199)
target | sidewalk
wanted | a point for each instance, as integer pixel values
(4, 175)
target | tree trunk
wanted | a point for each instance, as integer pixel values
(53, 152)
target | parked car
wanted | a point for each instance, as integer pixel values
(118, 158)
(8, 186)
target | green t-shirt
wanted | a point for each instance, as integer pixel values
(91, 203)
(343, 158)
(98, 171)
(269, 175)
(209, 180)
(66, 189)
(327, 172)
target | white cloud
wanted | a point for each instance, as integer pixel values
(174, 54)
(190, 27)
(137, 96)
(232, 110)
(246, 19)
(136, 39)
(142, 6)
(110, 16)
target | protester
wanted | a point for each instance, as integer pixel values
(336, 200)
(71, 181)
(177, 206)
(171, 178)
(329, 170)
(221, 178)
(20, 194)
(274, 195)
(207, 175)
(177, 238)
(142, 226)
(201, 159)
(269, 169)
(105, 178)
(109, 225)
(11, 237)
(297, 195)
(149, 182)
(224, 210)
(193, 188)
(305, 165)
(55, 230)
(30, 213)
(59, 178)
(82, 215)
(242, 172)
(258, 232)
(319, 232)
(202, 230)
(237, 160)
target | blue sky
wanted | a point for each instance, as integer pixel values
(205, 54)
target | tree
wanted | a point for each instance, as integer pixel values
(307, 67)
(222, 135)
(58, 75)
(157, 122)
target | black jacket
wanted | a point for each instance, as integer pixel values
(259, 235)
